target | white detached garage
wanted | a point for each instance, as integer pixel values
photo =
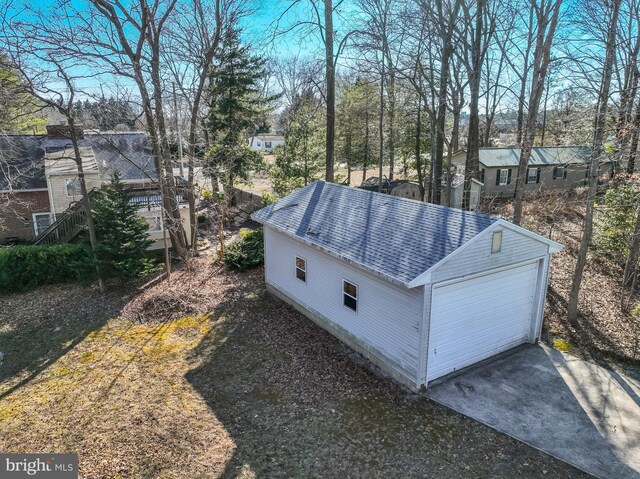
(421, 290)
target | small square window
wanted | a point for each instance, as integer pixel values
(350, 295)
(301, 269)
(496, 242)
(532, 175)
(155, 223)
(73, 187)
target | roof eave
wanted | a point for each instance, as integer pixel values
(333, 253)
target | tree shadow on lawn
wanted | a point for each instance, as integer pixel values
(40, 326)
(298, 403)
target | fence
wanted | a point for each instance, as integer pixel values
(247, 201)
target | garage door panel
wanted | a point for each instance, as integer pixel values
(456, 321)
(474, 319)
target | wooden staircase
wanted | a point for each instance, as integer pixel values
(67, 226)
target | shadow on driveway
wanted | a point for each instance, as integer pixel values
(573, 409)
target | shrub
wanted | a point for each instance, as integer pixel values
(247, 252)
(202, 219)
(29, 266)
(207, 195)
(123, 236)
(268, 198)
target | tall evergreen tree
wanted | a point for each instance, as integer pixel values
(236, 106)
(122, 235)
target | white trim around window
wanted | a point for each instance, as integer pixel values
(41, 221)
(504, 177)
(155, 223)
(72, 187)
(350, 295)
(301, 269)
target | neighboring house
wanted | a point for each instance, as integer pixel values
(421, 290)
(557, 167)
(24, 198)
(265, 142)
(103, 154)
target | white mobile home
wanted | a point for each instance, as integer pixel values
(421, 290)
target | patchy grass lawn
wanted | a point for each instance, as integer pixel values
(247, 388)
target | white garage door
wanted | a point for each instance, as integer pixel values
(477, 318)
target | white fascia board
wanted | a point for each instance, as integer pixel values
(425, 277)
(350, 261)
(553, 247)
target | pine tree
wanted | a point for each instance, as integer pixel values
(235, 107)
(123, 236)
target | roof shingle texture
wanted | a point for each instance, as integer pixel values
(21, 162)
(540, 156)
(397, 237)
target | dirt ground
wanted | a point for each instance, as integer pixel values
(243, 386)
(603, 331)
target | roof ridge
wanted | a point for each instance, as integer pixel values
(423, 204)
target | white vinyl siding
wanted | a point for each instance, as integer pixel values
(478, 318)
(477, 258)
(388, 320)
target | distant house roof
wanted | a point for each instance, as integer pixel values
(22, 163)
(106, 153)
(269, 137)
(23, 158)
(395, 237)
(540, 156)
(127, 153)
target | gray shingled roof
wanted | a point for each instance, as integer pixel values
(127, 153)
(22, 162)
(540, 156)
(396, 237)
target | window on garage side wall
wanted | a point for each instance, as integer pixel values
(301, 269)
(350, 295)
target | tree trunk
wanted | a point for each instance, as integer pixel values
(85, 198)
(381, 128)
(472, 163)
(635, 136)
(392, 108)
(418, 147)
(598, 137)
(331, 88)
(446, 32)
(547, 23)
(631, 264)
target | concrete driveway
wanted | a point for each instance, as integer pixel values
(574, 410)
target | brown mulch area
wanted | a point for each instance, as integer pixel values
(603, 331)
(250, 388)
